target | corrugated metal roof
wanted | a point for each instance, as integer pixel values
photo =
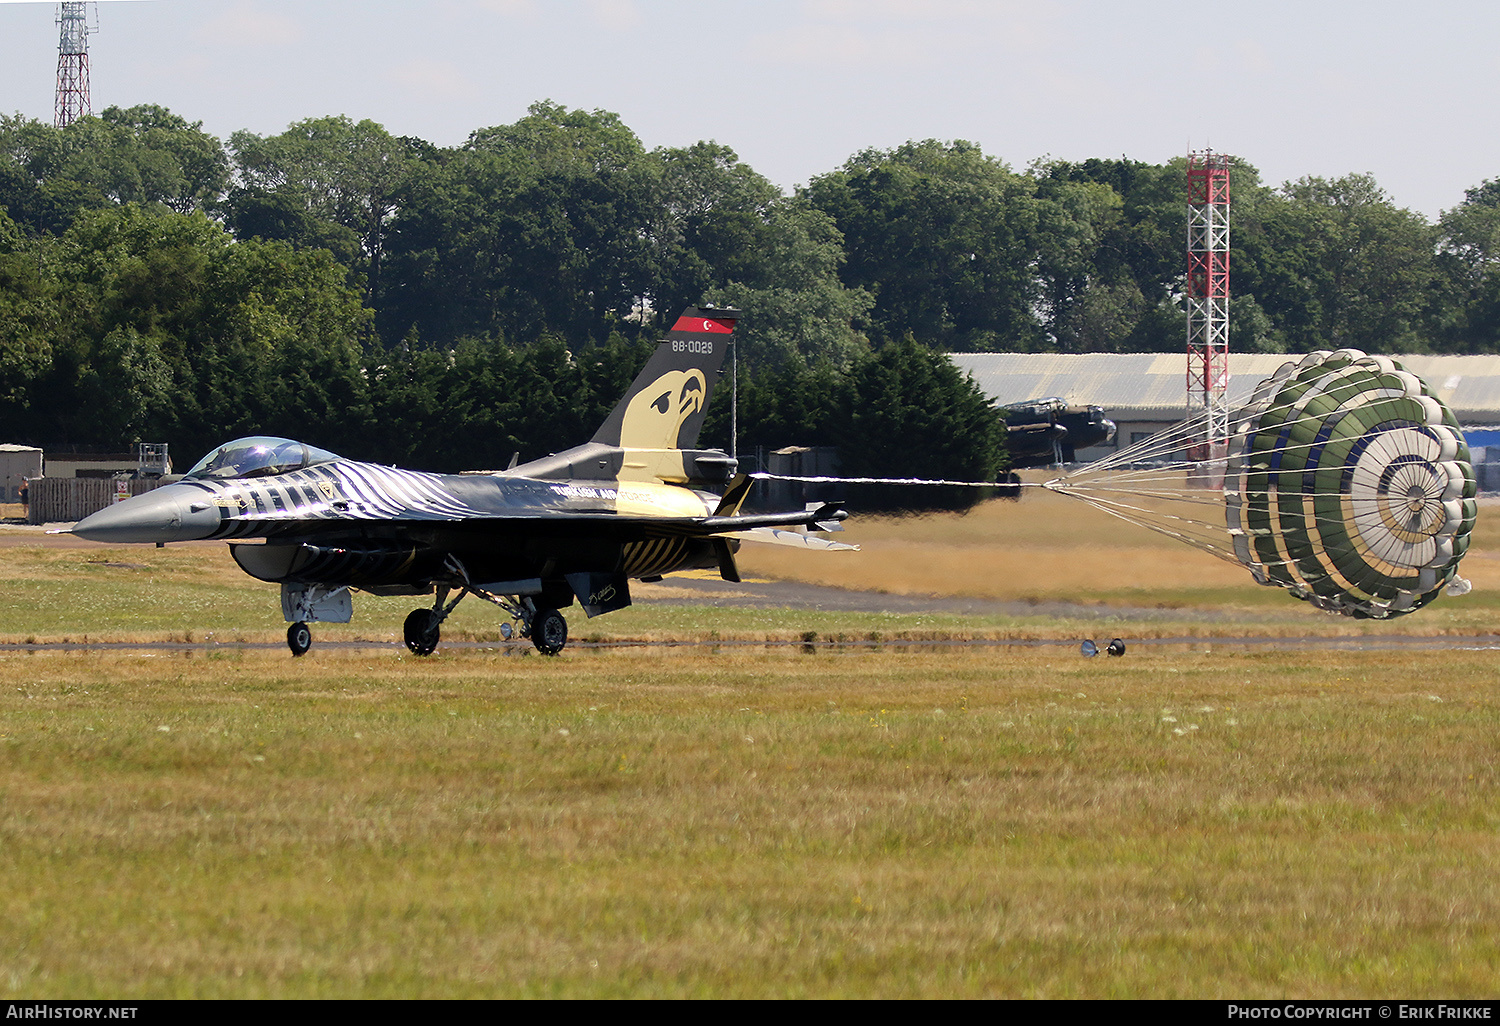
(1154, 385)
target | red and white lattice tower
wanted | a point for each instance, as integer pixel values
(72, 65)
(1208, 297)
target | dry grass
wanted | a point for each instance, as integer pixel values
(750, 823)
(1049, 547)
(1044, 549)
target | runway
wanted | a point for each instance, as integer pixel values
(706, 589)
(1363, 643)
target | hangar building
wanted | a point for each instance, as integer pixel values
(1146, 392)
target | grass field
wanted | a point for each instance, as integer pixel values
(1049, 547)
(747, 822)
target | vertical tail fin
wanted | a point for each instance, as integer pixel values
(665, 405)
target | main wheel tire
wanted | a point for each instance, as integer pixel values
(549, 631)
(298, 638)
(420, 632)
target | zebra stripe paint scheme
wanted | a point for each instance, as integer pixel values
(350, 491)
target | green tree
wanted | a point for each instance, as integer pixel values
(28, 324)
(1469, 264)
(329, 182)
(1119, 283)
(727, 236)
(796, 308)
(915, 415)
(901, 411)
(1112, 273)
(537, 227)
(1089, 304)
(1334, 263)
(585, 199)
(171, 331)
(710, 228)
(476, 404)
(944, 238)
(128, 280)
(145, 155)
(792, 404)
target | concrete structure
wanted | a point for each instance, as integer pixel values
(90, 464)
(17, 463)
(149, 460)
(1142, 392)
(797, 461)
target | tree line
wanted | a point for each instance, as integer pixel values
(448, 306)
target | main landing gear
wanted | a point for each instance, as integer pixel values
(544, 625)
(422, 630)
(549, 631)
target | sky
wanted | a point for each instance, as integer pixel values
(1402, 91)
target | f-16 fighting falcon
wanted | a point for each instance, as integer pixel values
(632, 503)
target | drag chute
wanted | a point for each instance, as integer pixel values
(1347, 482)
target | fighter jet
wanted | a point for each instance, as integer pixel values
(634, 502)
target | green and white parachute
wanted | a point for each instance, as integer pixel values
(1347, 482)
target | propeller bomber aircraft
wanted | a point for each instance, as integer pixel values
(631, 503)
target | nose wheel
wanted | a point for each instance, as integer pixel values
(298, 638)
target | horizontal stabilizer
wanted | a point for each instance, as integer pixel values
(830, 513)
(796, 539)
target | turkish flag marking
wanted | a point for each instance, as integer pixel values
(702, 324)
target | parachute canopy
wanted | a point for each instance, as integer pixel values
(1347, 482)
(1350, 485)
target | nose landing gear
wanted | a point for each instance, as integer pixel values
(298, 638)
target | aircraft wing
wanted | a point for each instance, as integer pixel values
(604, 521)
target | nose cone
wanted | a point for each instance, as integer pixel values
(167, 514)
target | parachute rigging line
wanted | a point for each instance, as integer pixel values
(1347, 482)
(761, 475)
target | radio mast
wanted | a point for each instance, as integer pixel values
(1208, 298)
(73, 64)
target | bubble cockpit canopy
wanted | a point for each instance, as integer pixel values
(258, 456)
